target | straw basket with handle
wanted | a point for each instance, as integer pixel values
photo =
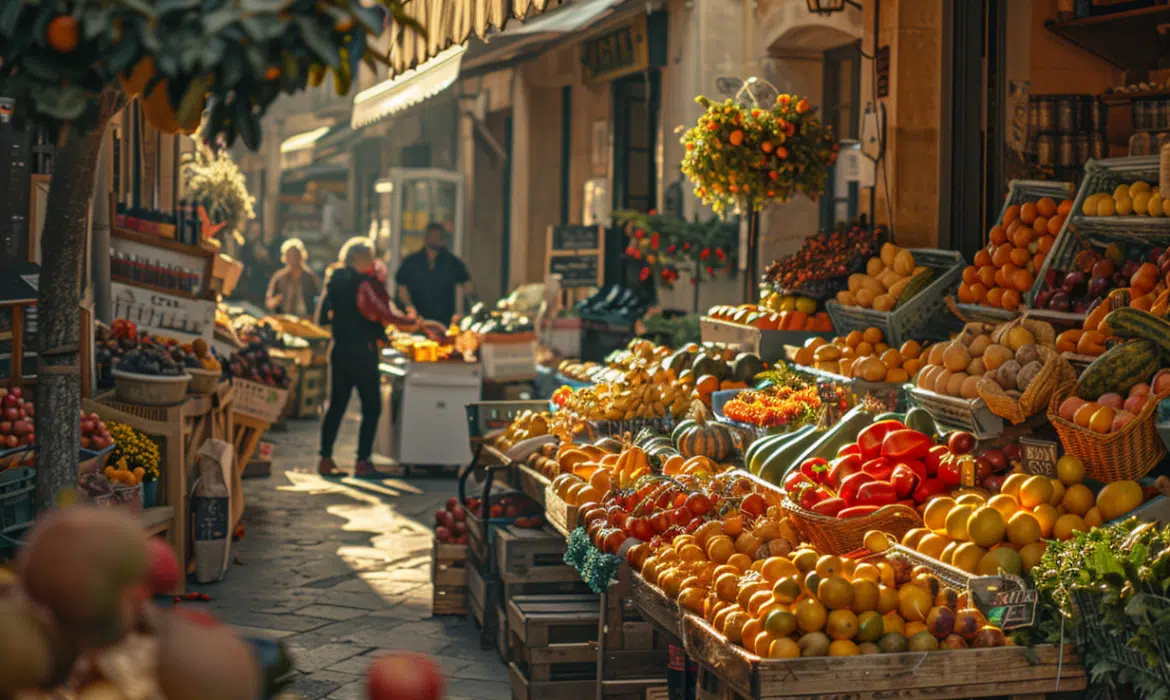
(1129, 453)
(1053, 373)
(833, 535)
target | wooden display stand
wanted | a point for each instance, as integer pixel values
(246, 432)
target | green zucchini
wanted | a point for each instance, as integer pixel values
(920, 419)
(760, 456)
(779, 462)
(759, 444)
(1135, 323)
(840, 435)
(890, 416)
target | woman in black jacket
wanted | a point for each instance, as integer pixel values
(358, 314)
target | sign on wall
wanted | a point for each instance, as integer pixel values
(177, 317)
(621, 51)
(574, 253)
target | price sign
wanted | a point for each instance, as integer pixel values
(1006, 601)
(968, 474)
(1039, 456)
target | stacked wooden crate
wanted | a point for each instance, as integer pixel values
(449, 579)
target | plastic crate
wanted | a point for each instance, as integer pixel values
(259, 401)
(17, 507)
(1104, 176)
(917, 318)
(1112, 642)
(484, 417)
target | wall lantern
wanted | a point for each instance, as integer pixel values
(828, 7)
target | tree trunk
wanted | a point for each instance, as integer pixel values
(63, 242)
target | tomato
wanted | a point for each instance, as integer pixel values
(698, 503)
(934, 458)
(754, 504)
(904, 480)
(949, 474)
(404, 677)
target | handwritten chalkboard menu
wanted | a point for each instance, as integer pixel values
(211, 517)
(575, 253)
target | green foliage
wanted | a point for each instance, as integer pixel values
(233, 56)
(1123, 571)
(746, 156)
(212, 177)
(664, 245)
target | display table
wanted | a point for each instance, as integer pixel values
(424, 421)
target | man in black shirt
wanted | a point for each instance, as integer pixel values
(427, 280)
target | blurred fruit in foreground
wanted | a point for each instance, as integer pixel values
(404, 677)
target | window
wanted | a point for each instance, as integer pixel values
(842, 95)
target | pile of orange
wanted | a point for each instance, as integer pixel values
(1006, 269)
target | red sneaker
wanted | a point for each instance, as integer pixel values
(365, 470)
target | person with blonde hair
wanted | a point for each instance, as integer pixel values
(294, 288)
(357, 307)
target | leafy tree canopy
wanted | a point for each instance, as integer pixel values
(220, 61)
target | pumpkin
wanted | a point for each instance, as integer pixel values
(704, 438)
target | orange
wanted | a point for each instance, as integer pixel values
(1047, 516)
(1035, 491)
(982, 258)
(727, 586)
(1022, 280)
(63, 34)
(1002, 255)
(1011, 214)
(1054, 225)
(1020, 256)
(1078, 499)
(987, 276)
(783, 648)
(1046, 206)
(979, 291)
(1010, 299)
(740, 561)
(720, 549)
(1022, 236)
(810, 615)
(995, 297)
(854, 338)
(970, 274)
(1028, 213)
(997, 235)
(911, 349)
(776, 568)
(891, 358)
(965, 294)
(1040, 225)
(873, 335)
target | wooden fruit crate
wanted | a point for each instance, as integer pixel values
(449, 579)
(483, 600)
(653, 604)
(503, 638)
(532, 483)
(560, 514)
(533, 562)
(964, 673)
(553, 641)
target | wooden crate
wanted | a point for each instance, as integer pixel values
(654, 605)
(964, 673)
(532, 483)
(448, 579)
(558, 513)
(503, 639)
(483, 600)
(553, 646)
(533, 561)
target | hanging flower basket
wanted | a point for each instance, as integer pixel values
(756, 150)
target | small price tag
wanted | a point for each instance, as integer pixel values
(1006, 601)
(1038, 455)
(968, 474)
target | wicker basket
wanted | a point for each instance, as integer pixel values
(1035, 399)
(1129, 453)
(914, 318)
(203, 381)
(836, 536)
(149, 390)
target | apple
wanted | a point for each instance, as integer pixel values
(960, 443)
(994, 483)
(996, 458)
(1099, 286)
(1135, 404)
(399, 676)
(1012, 451)
(442, 533)
(1140, 389)
(13, 414)
(1161, 383)
(459, 528)
(1120, 420)
(1102, 268)
(1043, 298)
(1060, 302)
(452, 503)
(458, 512)
(16, 392)
(1111, 400)
(1073, 282)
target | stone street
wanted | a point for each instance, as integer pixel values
(340, 572)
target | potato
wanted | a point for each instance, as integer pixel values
(1007, 373)
(1028, 354)
(1027, 374)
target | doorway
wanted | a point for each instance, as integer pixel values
(841, 97)
(636, 105)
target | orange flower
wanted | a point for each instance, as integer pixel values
(802, 106)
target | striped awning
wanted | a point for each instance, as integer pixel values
(452, 22)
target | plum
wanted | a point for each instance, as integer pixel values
(1099, 286)
(1042, 299)
(1060, 302)
(1073, 282)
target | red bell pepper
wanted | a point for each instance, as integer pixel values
(934, 458)
(815, 468)
(850, 449)
(850, 486)
(929, 488)
(857, 512)
(812, 495)
(870, 439)
(949, 474)
(876, 493)
(829, 506)
(901, 445)
(793, 481)
(842, 467)
(917, 467)
(879, 468)
(904, 480)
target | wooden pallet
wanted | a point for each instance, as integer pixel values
(448, 579)
(965, 673)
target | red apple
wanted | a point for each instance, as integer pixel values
(400, 676)
(1120, 420)
(1140, 389)
(452, 503)
(442, 533)
(1135, 404)
(161, 566)
(961, 443)
(458, 512)
(1161, 383)
(1111, 400)
(12, 413)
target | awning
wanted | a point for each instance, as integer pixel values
(410, 88)
(451, 22)
(322, 142)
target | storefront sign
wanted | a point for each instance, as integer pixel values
(621, 51)
(165, 314)
(574, 253)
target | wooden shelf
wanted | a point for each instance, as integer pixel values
(157, 519)
(1128, 40)
(162, 290)
(1120, 98)
(160, 242)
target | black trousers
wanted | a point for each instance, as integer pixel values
(352, 365)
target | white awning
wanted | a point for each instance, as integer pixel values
(410, 88)
(569, 19)
(302, 141)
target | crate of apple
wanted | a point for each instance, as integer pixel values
(17, 416)
(94, 434)
(1095, 273)
(450, 527)
(521, 510)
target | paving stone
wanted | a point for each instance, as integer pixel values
(331, 612)
(247, 631)
(311, 688)
(288, 623)
(353, 691)
(308, 660)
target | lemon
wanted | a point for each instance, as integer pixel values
(1157, 206)
(1121, 190)
(1106, 206)
(1078, 500)
(1138, 187)
(1035, 491)
(1118, 498)
(1141, 203)
(1066, 525)
(1070, 470)
(1124, 205)
(957, 521)
(1089, 206)
(1023, 529)
(935, 516)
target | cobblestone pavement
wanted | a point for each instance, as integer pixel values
(340, 571)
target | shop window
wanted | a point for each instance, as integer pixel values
(842, 96)
(417, 156)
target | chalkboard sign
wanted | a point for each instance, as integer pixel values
(1039, 456)
(211, 517)
(1006, 601)
(575, 237)
(576, 271)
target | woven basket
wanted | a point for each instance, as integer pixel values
(1056, 371)
(1129, 453)
(1044, 333)
(203, 381)
(836, 536)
